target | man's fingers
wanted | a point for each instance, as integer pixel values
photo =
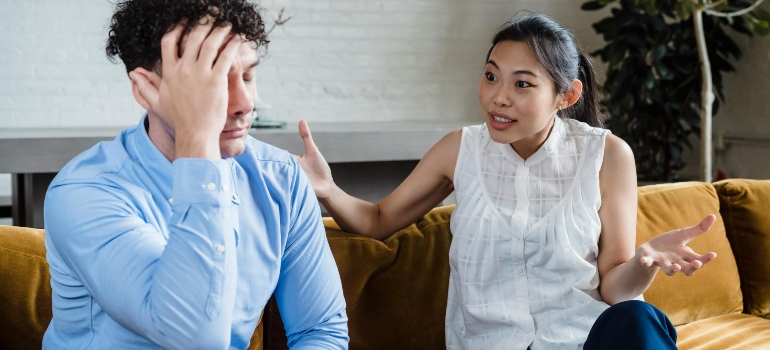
(194, 40)
(169, 45)
(225, 59)
(214, 44)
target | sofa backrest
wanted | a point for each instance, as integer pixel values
(25, 289)
(713, 290)
(745, 207)
(395, 290)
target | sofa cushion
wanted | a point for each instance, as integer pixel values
(745, 206)
(713, 290)
(396, 289)
(25, 300)
(733, 331)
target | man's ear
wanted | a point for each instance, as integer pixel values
(572, 95)
(145, 86)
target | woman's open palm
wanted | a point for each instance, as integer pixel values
(670, 252)
(313, 163)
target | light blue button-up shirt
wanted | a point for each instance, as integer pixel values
(145, 253)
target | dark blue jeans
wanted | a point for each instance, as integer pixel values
(632, 325)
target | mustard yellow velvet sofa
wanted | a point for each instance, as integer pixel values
(396, 289)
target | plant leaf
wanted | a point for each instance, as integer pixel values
(592, 5)
(683, 10)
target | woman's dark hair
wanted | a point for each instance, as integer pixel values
(138, 26)
(555, 48)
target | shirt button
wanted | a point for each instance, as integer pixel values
(220, 249)
(235, 197)
(521, 269)
(171, 201)
(226, 187)
(211, 186)
(523, 307)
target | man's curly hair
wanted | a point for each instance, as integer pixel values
(138, 26)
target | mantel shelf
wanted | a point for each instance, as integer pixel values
(48, 150)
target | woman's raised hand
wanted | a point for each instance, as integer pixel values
(314, 164)
(670, 252)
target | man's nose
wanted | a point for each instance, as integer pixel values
(241, 101)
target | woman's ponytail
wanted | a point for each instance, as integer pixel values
(586, 109)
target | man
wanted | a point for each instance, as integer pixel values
(176, 233)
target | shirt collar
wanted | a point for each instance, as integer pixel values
(150, 158)
(548, 148)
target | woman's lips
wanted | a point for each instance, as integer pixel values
(499, 121)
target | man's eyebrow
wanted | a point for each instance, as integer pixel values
(256, 63)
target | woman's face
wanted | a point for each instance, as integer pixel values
(517, 95)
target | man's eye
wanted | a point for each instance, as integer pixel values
(491, 77)
(522, 84)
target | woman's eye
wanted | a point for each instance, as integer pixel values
(522, 84)
(490, 76)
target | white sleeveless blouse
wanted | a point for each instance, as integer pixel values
(523, 258)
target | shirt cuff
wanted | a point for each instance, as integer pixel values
(201, 181)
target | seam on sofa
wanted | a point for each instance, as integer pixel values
(36, 257)
(434, 224)
(364, 238)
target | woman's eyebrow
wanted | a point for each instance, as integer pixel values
(520, 71)
(525, 72)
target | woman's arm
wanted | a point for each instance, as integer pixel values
(626, 273)
(428, 184)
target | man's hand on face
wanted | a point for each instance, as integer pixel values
(193, 93)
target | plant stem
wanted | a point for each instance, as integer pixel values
(707, 97)
(736, 13)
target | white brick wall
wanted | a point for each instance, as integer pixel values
(54, 70)
(335, 60)
(348, 60)
(340, 60)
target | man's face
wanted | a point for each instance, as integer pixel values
(242, 88)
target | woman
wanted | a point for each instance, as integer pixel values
(545, 224)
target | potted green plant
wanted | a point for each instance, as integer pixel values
(656, 92)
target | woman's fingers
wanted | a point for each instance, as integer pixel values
(705, 258)
(307, 138)
(647, 261)
(687, 234)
